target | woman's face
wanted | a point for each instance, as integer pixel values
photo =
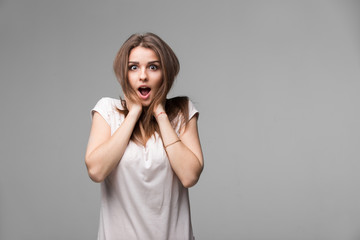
(144, 73)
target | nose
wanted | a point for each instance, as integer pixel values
(143, 76)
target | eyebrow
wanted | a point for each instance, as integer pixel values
(134, 62)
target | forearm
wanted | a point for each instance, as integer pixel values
(102, 160)
(184, 162)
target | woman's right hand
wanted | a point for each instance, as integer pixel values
(134, 107)
(104, 149)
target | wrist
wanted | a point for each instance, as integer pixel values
(160, 113)
(160, 116)
(134, 113)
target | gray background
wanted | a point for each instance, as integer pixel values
(277, 86)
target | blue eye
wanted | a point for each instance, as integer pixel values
(133, 67)
(153, 67)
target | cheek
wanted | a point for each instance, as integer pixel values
(158, 80)
(131, 80)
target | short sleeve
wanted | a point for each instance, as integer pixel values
(192, 110)
(103, 107)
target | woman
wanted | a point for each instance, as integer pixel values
(145, 150)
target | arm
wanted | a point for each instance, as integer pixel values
(185, 156)
(104, 151)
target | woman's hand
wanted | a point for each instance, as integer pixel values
(133, 107)
(104, 150)
(185, 156)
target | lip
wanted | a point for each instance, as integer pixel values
(147, 95)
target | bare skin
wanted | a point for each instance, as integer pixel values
(105, 151)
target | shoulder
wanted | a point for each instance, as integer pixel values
(108, 103)
(180, 111)
(111, 101)
(107, 107)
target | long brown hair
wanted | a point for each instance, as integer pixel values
(170, 68)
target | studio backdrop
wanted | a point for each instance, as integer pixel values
(276, 83)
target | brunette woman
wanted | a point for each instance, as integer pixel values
(145, 149)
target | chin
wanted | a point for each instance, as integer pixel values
(146, 104)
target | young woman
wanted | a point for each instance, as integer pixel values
(145, 150)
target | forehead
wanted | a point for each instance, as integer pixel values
(139, 54)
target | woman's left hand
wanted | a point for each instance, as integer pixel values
(185, 156)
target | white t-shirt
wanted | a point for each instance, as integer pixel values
(142, 198)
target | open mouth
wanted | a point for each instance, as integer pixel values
(144, 91)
